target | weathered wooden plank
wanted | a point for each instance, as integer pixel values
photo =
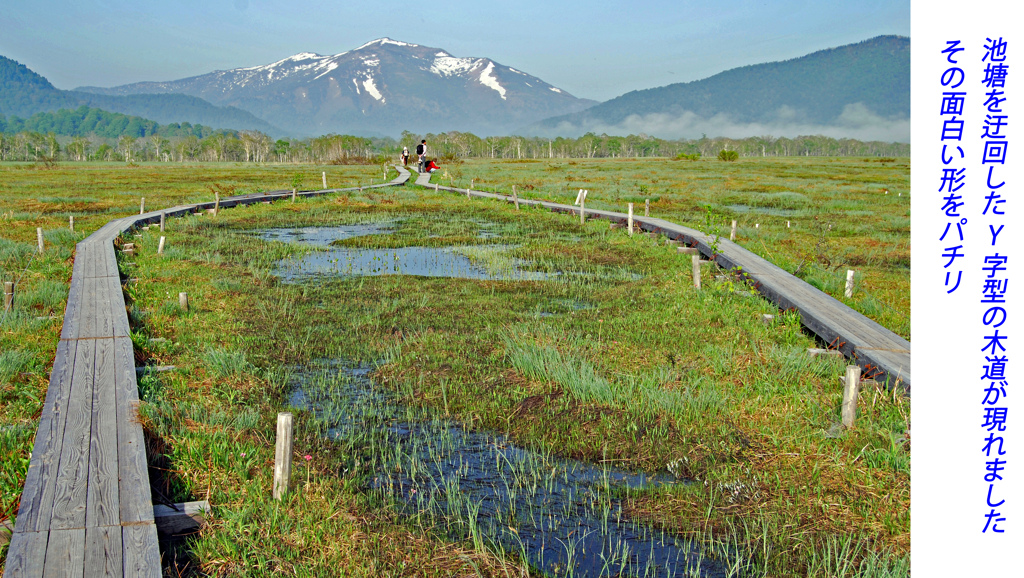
(135, 499)
(73, 309)
(141, 551)
(65, 554)
(100, 323)
(26, 554)
(102, 500)
(183, 517)
(117, 304)
(104, 551)
(37, 495)
(69, 499)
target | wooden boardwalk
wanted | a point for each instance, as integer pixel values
(882, 354)
(86, 508)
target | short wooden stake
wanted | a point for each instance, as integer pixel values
(163, 220)
(283, 455)
(142, 205)
(647, 207)
(629, 220)
(696, 271)
(849, 284)
(8, 295)
(583, 215)
(71, 223)
(787, 224)
(294, 193)
(39, 238)
(324, 176)
(850, 390)
(183, 300)
(757, 225)
(515, 197)
(732, 234)
(467, 192)
(216, 204)
(160, 248)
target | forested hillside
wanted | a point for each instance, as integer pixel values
(24, 93)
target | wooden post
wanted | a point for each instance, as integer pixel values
(294, 192)
(467, 192)
(142, 205)
(849, 284)
(324, 176)
(216, 204)
(163, 220)
(787, 224)
(583, 215)
(850, 390)
(283, 455)
(515, 197)
(696, 271)
(647, 207)
(183, 300)
(8, 295)
(39, 239)
(629, 220)
(732, 234)
(71, 223)
(160, 248)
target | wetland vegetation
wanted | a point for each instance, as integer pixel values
(442, 419)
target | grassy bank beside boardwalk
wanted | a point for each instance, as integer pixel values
(614, 359)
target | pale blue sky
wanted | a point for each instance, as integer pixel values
(594, 49)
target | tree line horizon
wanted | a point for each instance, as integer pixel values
(95, 135)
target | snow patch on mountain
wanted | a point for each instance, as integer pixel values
(371, 89)
(488, 80)
(383, 41)
(449, 65)
(553, 89)
(372, 62)
(327, 68)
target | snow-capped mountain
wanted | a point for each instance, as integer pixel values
(382, 87)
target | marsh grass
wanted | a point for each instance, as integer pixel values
(687, 379)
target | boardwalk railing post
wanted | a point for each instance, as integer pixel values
(696, 271)
(71, 223)
(183, 300)
(8, 295)
(216, 204)
(160, 248)
(849, 283)
(583, 211)
(515, 197)
(850, 391)
(39, 239)
(629, 220)
(294, 193)
(142, 205)
(283, 455)
(324, 175)
(163, 220)
(732, 234)
(647, 207)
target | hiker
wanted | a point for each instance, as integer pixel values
(405, 156)
(421, 151)
(431, 166)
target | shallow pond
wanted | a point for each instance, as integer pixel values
(562, 516)
(491, 262)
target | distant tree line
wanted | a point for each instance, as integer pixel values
(89, 134)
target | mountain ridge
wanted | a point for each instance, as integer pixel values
(850, 87)
(384, 86)
(24, 93)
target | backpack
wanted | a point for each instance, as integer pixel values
(419, 149)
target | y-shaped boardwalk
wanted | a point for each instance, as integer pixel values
(85, 507)
(882, 354)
